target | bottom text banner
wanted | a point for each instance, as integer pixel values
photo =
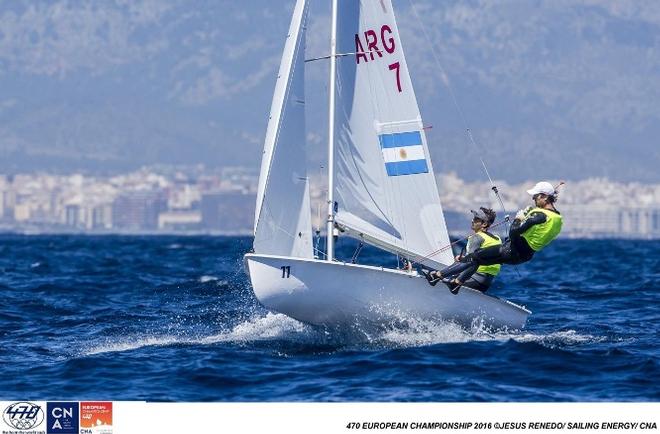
(143, 417)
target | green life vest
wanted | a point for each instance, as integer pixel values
(489, 241)
(539, 236)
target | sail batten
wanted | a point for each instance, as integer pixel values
(384, 182)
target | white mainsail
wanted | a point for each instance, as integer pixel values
(384, 183)
(282, 216)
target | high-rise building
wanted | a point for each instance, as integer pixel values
(8, 203)
(72, 216)
(138, 210)
(102, 216)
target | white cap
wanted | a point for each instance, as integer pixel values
(543, 187)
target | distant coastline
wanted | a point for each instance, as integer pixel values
(193, 200)
(454, 234)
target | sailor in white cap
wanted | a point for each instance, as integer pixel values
(532, 229)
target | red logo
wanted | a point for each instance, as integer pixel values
(96, 417)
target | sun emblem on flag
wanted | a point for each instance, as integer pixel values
(403, 154)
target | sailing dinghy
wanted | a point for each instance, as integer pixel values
(382, 190)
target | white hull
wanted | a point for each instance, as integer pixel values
(336, 294)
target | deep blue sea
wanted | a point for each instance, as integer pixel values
(165, 318)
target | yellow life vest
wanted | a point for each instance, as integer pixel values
(539, 236)
(489, 240)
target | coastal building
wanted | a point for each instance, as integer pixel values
(137, 210)
(608, 221)
(179, 220)
(101, 216)
(72, 216)
(222, 200)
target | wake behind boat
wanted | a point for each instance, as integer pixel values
(382, 190)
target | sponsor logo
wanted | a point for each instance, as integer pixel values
(96, 417)
(23, 415)
(62, 418)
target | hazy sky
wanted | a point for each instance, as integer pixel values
(552, 89)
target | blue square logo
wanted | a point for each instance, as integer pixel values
(62, 417)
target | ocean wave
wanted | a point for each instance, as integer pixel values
(206, 279)
(175, 318)
(269, 327)
(129, 344)
(423, 333)
(281, 329)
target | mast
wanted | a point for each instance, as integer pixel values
(331, 136)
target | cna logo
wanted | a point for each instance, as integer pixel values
(62, 418)
(23, 415)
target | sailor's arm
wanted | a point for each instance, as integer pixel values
(474, 242)
(520, 226)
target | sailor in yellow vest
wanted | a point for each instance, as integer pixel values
(481, 238)
(532, 230)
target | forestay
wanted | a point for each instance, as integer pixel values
(282, 216)
(384, 186)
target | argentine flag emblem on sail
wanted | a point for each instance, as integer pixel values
(403, 153)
